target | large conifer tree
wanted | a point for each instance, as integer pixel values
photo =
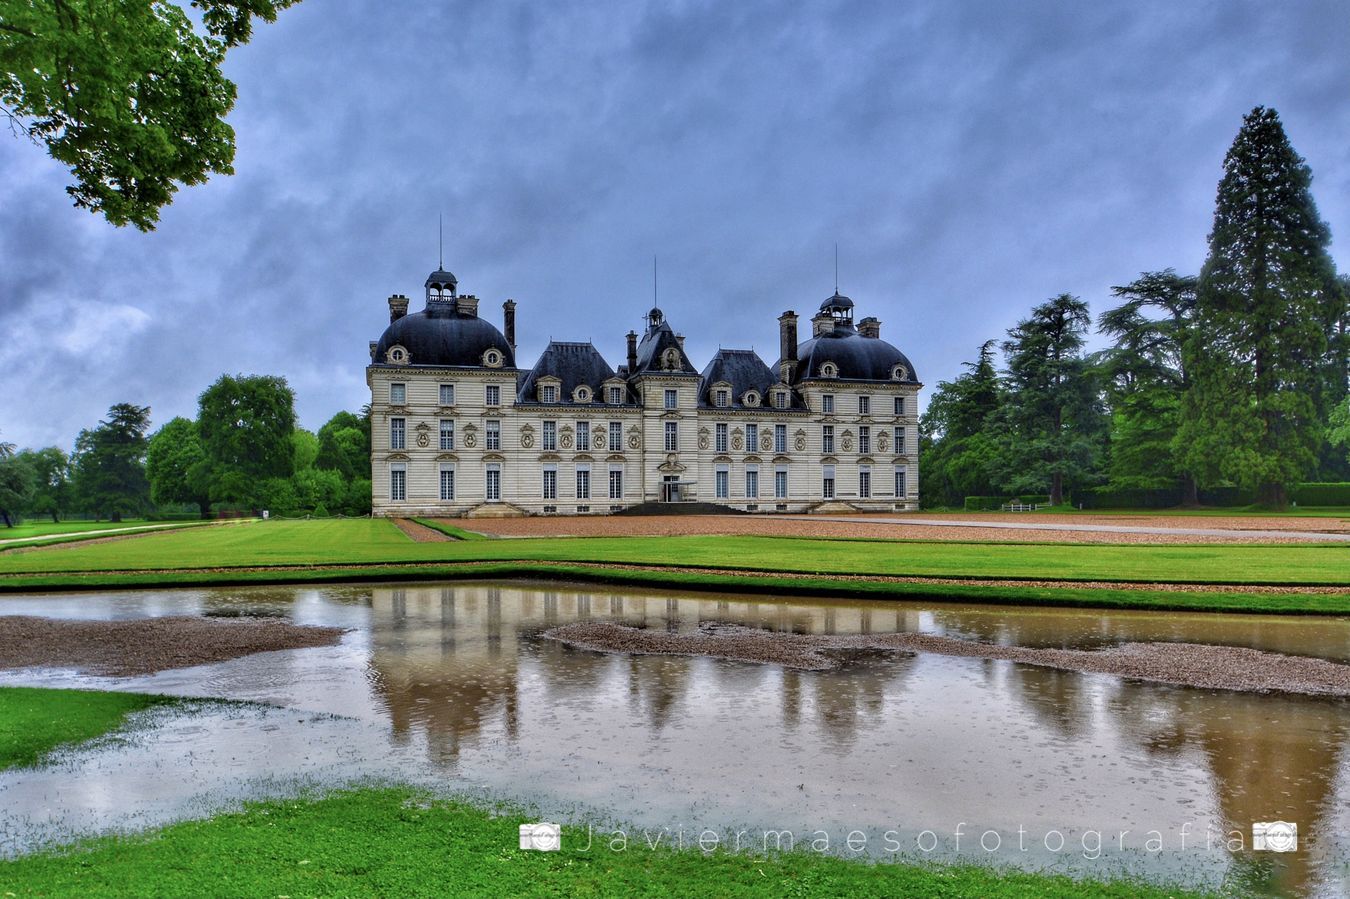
(1258, 350)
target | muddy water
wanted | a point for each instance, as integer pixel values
(925, 756)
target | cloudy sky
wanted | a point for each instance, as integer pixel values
(970, 159)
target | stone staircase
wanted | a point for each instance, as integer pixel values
(681, 509)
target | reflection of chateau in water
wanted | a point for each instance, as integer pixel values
(463, 666)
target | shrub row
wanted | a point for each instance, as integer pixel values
(1222, 497)
(994, 503)
(1323, 494)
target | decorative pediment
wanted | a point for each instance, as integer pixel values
(752, 458)
(493, 457)
(865, 460)
(550, 457)
(829, 460)
(782, 458)
(723, 457)
(670, 466)
(616, 457)
(447, 457)
(396, 457)
(582, 457)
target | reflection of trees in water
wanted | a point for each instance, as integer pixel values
(656, 685)
(1060, 700)
(1271, 757)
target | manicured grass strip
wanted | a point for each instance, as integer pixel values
(34, 721)
(392, 842)
(1068, 596)
(358, 541)
(106, 530)
(450, 530)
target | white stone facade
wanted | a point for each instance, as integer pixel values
(491, 439)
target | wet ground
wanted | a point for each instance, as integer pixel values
(453, 687)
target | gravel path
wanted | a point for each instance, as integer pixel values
(420, 533)
(147, 645)
(1001, 527)
(1184, 664)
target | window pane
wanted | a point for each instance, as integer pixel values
(447, 394)
(398, 394)
(447, 434)
(447, 483)
(397, 433)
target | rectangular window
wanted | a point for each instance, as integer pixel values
(398, 394)
(615, 436)
(722, 479)
(494, 483)
(827, 404)
(827, 483)
(672, 399)
(615, 396)
(398, 428)
(720, 429)
(616, 483)
(751, 438)
(550, 483)
(548, 394)
(899, 405)
(780, 438)
(900, 483)
(447, 433)
(672, 436)
(583, 483)
(780, 399)
(494, 434)
(899, 440)
(583, 436)
(827, 438)
(492, 395)
(550, 436)
(398, 483)
(752, 483)
(864, 483)
(780, 483)
(864, 405)
(447, 482)
(447, 394)
(723, 398)
(864, 439)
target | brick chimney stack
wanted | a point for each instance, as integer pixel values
(870, 327)
(632, 352)
(509, 323)
(787, 345)
(398, 307)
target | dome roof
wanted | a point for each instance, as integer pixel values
(838, 301)
(855, 357)
(444, 336)
(441, 276)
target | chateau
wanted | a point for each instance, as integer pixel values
(457, 428)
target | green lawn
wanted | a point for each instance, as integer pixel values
(335, 542)
(35, 721)
(393, 842)
(49, 528)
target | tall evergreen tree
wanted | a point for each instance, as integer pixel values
(109, 463)
(1056, 424)
(1255, 411)
(1145, 377)
(955, 444)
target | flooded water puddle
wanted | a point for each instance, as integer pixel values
(922, 755)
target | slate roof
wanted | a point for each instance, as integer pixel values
(743, 370)
(574, 364)
(857, 358)
(653, 346)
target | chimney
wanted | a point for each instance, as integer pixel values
(398, 307)
(467, 304)
(787, 345)
(822, 323)
(509, 323)
(870, 327)
(632, 352)
(679, 338)
(373, 344)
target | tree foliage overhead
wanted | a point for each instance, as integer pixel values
(1258, 353)
(246, 424)
(126, 93)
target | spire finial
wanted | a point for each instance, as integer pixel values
(836, 268)
(440, 241)
(653, 279)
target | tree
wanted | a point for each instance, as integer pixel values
(126, 93)
(344, 445)
(1339, 433)
(1054, 416)
(1145, 376)
(16, 487)
(1255, 411)
(956, 445)
(51, 481)
(6, 449)
(245, 424)
(175, 465)
(109, 463)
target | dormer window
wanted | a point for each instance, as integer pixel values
(492, 358)
(582, 394)
(615, 396)
(829, 370)
(723, 398)
(397, 355)
(780, 399)
(751, 398)
(899, 373)
(548, 394)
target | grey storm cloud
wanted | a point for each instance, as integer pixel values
(970, 159)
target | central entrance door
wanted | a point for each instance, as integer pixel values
(670, 488)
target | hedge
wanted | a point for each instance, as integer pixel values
(1333, 494)
(995, 503)
(1321, 494)
(1137, 498)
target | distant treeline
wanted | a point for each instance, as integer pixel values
(242, 452)
(1234, 379)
